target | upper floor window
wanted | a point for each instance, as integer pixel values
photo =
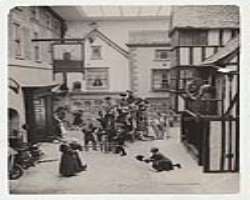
(77, 86)
(161, 54)
(160, 79)
(97, 78)
(17, 39)
(193, 37)
(36, 48)
(96, 53)
(185, 76)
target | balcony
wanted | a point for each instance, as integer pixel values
(204, 107)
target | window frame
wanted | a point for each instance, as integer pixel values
(92, 52)
(193, 37)
(159, 58)
(91, 87)
(153, 71)
(17, 38)
(37, 49)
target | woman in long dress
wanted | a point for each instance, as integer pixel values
(68, 164)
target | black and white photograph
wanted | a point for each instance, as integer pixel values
(123, 99)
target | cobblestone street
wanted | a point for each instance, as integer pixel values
(112, 174)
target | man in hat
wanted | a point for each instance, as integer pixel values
(130, 97)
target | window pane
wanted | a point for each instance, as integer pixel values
(184, 56)
(161, 54)
(213, 37)
(97, 78)
(193, 37)
(96, 52)
(197, 55)
(160, 79)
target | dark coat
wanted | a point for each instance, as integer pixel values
(161, 163)
(68, 164)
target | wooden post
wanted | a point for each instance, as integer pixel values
(230, 155)
(223, 133)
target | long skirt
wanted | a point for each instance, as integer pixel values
(68, 165)
(79, 166)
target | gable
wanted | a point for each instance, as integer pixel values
(93, 35)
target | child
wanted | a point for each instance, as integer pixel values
(88, 132)
(120, 140)
(159, 161)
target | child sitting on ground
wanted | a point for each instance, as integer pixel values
(159, 161)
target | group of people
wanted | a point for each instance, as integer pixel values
(117, 123)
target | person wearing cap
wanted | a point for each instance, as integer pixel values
(160, 162)
(130, 97)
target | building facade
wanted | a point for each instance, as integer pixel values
(149, 65)
(30, 70)
(203, 48)
(107, 62)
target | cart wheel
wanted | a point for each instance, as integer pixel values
(16, 172)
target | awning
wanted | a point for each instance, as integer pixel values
(50, 84)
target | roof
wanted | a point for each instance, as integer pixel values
(230, 49)
(100, 35)
(149, 37)
(211, 16)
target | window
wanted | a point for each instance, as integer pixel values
(17, 40)
(160, 79)
(77, 86)
(96, 53)
(193, 37)
(36, 48)
(161, 54)
(97, 78)
(185, 76)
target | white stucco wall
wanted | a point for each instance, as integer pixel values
(117, 64)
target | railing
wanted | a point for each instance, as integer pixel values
(204, 107)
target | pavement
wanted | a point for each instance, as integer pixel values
(109, 173)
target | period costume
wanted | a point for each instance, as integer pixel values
(68, 164)
(161, 162)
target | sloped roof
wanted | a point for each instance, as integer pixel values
(210, 16)
(149, 37)
(229, 50)
(97, 33)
